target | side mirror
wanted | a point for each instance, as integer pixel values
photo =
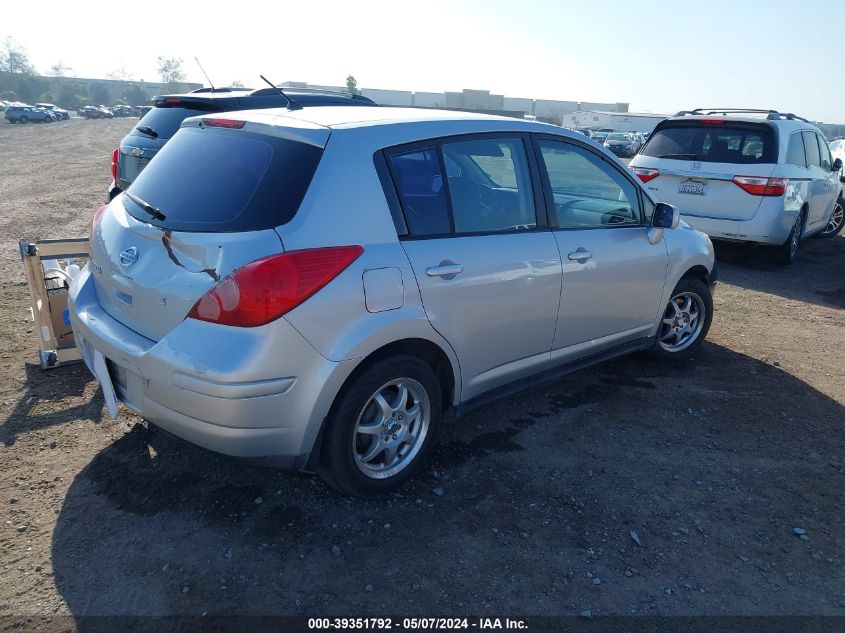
(837, 165)
(666, 216)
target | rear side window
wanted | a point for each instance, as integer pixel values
(812, 148)
(165, 121)
(419, 182)
(220, 180)
(724, 143)
(795, 151)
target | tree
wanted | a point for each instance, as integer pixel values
(9, 95)
(352, 85)
(47, 97)
(237, 84)
(99, 94)
(118, 74)
(14, 59)
(59, 69)
(71, 95)
(170, 70)
(135, 95)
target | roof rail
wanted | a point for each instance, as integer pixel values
(772, 115)
(316, 91)
(222, 89)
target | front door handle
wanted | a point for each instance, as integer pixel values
(580, 256)
(447, 271)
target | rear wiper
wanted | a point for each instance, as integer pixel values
(146, 206)
(146, 129)
(690, 156)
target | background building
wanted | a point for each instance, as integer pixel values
(620, 121)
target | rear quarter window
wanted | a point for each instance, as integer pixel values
(724, 143)
(218, 180)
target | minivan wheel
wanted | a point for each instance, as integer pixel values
(685, 320)
(789, 249)
(837, 219)
(382, 427)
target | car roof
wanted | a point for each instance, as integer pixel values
(788, 122)
(353, 116)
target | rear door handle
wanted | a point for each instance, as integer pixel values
(444, 270)
(580, 255)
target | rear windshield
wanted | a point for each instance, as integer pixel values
(165, 121)
(220, 180)
(725, 143)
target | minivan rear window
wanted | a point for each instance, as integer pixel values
(220, 180)
(709, 143)
(166, 121)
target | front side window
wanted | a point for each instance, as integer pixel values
(493, 189)
(826, 161)
(587, 191)
(795, 151)
(811, 146)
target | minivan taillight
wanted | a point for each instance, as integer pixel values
(114, 158)
(264, 290)
(645, 174)
(761, 186)
(97, 215)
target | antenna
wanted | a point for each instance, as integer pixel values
(206, 76)
(292, 105)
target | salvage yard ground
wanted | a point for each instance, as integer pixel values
(634, 487)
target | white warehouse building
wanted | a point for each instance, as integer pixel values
(619, 121)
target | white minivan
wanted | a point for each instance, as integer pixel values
(743, 175)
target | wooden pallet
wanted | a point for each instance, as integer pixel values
(52, 351)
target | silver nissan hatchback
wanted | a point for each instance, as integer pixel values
(320, 289)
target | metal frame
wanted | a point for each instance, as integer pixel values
(772, 115)
(50, 355)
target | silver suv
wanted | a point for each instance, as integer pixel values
(744, 175)
(319, 289)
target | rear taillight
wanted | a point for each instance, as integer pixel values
(267, 288)
(114, 157)
(761, 186)
(645, 174)
(97, 215)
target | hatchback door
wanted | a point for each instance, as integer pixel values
(613, 276)
(488, 270)
(692, 164)
(206, 206)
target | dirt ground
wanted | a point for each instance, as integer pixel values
(631, 488)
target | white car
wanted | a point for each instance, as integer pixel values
(837, 219)
(744, 175)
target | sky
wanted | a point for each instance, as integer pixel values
(659, 56)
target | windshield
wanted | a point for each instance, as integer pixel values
(725, 143)
(220, 180)
(618, 137)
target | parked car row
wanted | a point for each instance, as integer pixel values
(367, 273)
(743, 175)
(34, 114)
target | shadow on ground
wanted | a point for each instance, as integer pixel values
(41, 404)
(528, 502)
(817, 276)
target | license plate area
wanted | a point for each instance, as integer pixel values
(693, 187)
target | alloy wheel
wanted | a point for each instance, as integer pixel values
(836, 220)
(795, 239)
(391, 428)
(682, 323)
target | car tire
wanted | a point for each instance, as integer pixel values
(788, 251)
(382, 427)
(837, 219)
(24, 120)
(684, 321)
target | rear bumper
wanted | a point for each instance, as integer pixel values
(254, 393)
(770, 225)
